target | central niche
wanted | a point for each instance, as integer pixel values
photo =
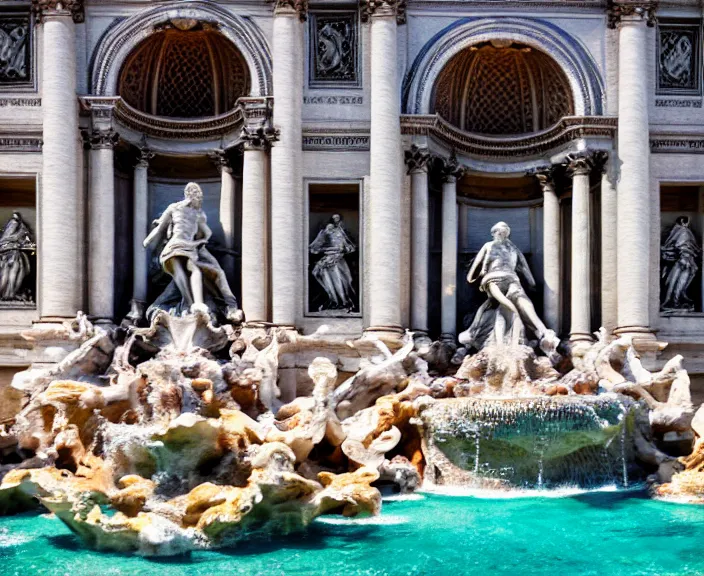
(189, 70)
(502, 88)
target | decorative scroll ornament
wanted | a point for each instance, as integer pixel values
(451, 169)
(369, 8)
(645, 9)
(99, 139)
(43, 7)
(417, 159)
(300, 7)
(221, 160)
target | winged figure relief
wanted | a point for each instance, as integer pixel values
(12, 53)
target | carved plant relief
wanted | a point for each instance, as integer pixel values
(14, 48)
(678, 59)
(333, 49)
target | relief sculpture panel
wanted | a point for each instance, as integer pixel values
(15, 65)
(333, 50)
(678, 59)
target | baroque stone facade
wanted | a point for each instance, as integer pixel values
(292, 113)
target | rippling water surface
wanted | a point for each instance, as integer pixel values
(602, 533)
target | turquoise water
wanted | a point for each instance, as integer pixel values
(603, 533)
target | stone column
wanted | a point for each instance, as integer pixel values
(417, 160)
(60, 290)
(254, 225)
(451, 172)
(287, 235)
(579, 168)
(140, 230)
(609, 249)
(384, 215)
(552, 273)
(633, 199)
(101, 225)
(227, 209)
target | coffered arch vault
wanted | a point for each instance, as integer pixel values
(572, 58)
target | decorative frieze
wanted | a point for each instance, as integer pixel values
(370, 8)
(298, 7)
(15, 48)
(679, 59)
(43, 8)
(334, 49)
(677, 145)
(100, 139)
(20, 102)
(677, 103)
(644, 9)
(567, 130)
(342, 141)
(348, 100)
(20, 143)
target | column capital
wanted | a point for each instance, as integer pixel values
(451, 170)
(144, 155)
(221, 159)
(417, 159)
(47, 8)
(635, 11)
(258, 138)
(100, 139)
(545, 177)
(372, 8)
(291, 7)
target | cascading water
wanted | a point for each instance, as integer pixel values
(530, 442)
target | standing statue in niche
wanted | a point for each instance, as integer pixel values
(16, 241)
(332, 271)
(502, 318)
(680, 254)
(198, 282)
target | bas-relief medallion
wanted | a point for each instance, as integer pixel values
(333, 50)
(678, 59)
(15, 65)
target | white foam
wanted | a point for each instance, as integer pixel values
(7, 540)
(390, 520)
(485, 493)
(403, 498)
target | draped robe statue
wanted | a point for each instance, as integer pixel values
(680, 254)
(15, 240)
(501, 320)
(196, 274)
(332, 271)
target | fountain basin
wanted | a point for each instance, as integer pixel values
(538, 442)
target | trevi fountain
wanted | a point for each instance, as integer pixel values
(366, 288)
